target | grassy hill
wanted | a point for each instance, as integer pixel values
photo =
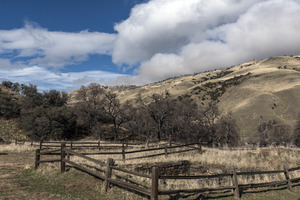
(255, 91)
(9, 128)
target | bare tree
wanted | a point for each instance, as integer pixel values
(160, 110)
(118, 113)
(141, 125)
(184, 124)
(227, 131)
(273, 132)
(281, 134)
(209, 116)
(296, 133)
(165, 117)
(96, 106)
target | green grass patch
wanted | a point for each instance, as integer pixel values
(72, 184)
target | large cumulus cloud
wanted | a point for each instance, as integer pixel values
(173, 37)
(160, 39)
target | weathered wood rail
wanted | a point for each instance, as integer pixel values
(43, 144)
(81, 144)
(236, 187)
(123, 152)
(107, 169)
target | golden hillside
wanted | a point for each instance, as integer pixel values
(255, 91)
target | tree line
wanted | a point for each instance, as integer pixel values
(97, 111)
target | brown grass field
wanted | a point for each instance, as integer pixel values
(19, 180)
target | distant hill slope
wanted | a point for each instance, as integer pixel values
(9, 128)
(255, 91)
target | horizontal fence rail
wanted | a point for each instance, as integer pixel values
(88, 144)
(123, 151)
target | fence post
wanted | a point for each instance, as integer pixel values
(41, 144)
(37, 158)
(154, 187)
(71, 144)
(99, 145)
(123, 151)
(287, 177)
(63, 156)
(166, 150)
(108, 171)
(170, 141)
(31, 144)
(236, 184)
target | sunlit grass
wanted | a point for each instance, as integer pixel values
(4, 148)
(259, 159)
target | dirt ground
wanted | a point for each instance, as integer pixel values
(11, 186)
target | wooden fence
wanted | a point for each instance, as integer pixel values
(74, 144)
(236, 187)
(154, 191)
(65, 155)
(123, 152)
(43, 144)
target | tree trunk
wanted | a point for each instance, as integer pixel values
(115, 131)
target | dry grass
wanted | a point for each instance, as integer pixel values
(259, 159)
(5, 148)
(269, 158)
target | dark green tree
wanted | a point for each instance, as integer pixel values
(46, 115)
(56, 123)
(89, 109)
(15, 87)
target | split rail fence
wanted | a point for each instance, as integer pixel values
(89, 144)
(123, 151)
(74, 144)
(154, 191)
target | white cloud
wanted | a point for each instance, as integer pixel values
(46, 79)
(164, 26)
(6, 64)
(174, 37)
(54, 49)
(163, 38)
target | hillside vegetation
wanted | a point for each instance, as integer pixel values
(255, 92)
(258, 101)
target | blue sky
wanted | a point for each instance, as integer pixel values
(68, 43)
(70, 16)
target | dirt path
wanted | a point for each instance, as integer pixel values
(11, 186)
